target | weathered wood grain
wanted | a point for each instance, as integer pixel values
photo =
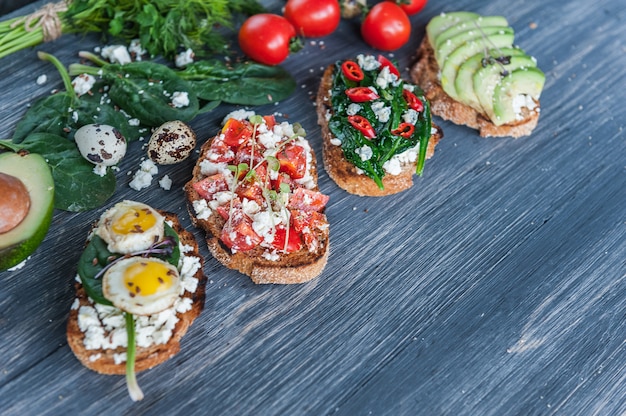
(497, 285)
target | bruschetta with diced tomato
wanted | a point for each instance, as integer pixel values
(254, 193)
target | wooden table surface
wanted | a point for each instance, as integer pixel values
(495, 286)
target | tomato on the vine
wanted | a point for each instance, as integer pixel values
(411, 7)
(386, 26)
(267, 38)
(313, 18)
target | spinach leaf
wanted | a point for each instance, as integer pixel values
(246, 83)
(47, 115)
(97, 256)
(145, 90)
(77, 187)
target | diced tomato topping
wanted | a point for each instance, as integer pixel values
(352, 71)
(225, 209)
(270, 121)
(238, 233)
(303, 220)
(412, 100)
(363, 125)
(236, 132)
(307, 200)
(251, 155)
(292, 161)
(251, 190)
(220, 152)
(361, 94)
(289, 236)
(384, 62)
(404, 129)
(210, 185)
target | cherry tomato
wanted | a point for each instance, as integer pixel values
(386, 27)
(412, 100)
(267, 38)
(363, 125)
(313, 18)
(411, 7)
(352, 71)
(384, 62)
(404, 129)
(361, 94)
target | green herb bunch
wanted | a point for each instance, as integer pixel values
(164, 27)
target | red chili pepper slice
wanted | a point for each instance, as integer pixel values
(352, 71)
(404, 129)
(363, 125)
(361, 94)
(384, 62)
(412, 100)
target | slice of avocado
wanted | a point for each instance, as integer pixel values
(500, 38)
(34, 173)
(486, 79)
(482, 37)
(444, 21)
(486, 21)
(521, 88)
(464, 84)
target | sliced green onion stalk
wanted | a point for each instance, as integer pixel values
(131, 380)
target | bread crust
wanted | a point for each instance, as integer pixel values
(145, 358)
(344, 172)
(291, 268)
(425, 73)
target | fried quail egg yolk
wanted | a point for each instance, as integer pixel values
(141, 286)
(130, 227)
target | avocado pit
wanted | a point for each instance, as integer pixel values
(15, 202)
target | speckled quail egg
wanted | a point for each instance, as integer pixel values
(100, 144)
(172, 142)
(141, 285)
(130, 227)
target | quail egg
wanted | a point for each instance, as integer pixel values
(130, 227)
(141, 285)
(100, 144)
(172, 142)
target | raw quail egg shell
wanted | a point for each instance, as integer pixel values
(172, 142)
(130, 227)
(100, 144)
(141, 285)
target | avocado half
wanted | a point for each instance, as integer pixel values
(33, 171)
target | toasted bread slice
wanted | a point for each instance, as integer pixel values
(344, 172)
(280, 267)
(107, 361)
(425, 73)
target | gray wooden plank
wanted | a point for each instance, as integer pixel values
(494, 286)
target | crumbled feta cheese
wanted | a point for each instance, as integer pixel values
(240, 114)
(42, 79)
(180, 99)
(410, 116)
(364, 152)
(335, 141)
(353, 108)
(392, 166)
(367, 62)
(143, 177)
(184, 58)
(165, 183)
(381, 111)
(116, 54)
(201, 208)
(136, 49)
(100, 170)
